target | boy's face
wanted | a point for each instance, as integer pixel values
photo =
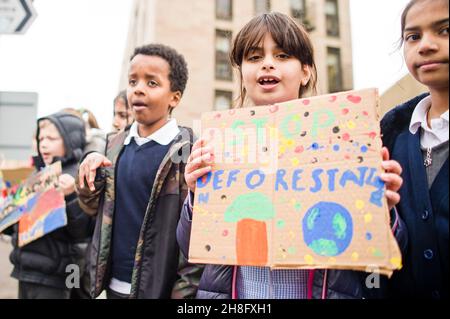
(426, 44)
(51, 144)
(149, 93)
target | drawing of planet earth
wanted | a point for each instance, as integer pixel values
(327, 229)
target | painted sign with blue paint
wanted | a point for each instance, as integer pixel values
(37, 205)
(296, 185)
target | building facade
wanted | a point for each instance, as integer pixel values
(16, 146)
(202, 30)
(403, 90)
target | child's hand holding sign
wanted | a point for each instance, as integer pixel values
(199, 163)
(67, 184)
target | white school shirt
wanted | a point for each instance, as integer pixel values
(163, 136)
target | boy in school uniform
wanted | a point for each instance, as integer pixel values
(137, 188)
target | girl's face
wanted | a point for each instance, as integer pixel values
(122, 116)
(426, 43)
(272, 76)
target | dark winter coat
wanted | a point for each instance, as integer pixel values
(44, 260)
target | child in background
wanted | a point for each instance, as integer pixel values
(95, 137)
(123, 115)
(139, 189)
(40, 266)
(274, 56)
(416, 134)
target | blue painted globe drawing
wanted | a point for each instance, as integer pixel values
(327, 229)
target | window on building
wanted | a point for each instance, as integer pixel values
(223, 100)
(224, 9)
(332, 18)
(262, 6)
(334, 70)
(223, 47)
(298, 10)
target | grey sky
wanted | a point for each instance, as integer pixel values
(377, 60)
(72, 54)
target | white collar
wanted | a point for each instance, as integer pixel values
(163, 136)
(445, 116)
(419, 116)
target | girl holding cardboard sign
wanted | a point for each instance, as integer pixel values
(274, 56)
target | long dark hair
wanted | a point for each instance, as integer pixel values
(289, 36)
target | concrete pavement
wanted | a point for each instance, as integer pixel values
(8, 285)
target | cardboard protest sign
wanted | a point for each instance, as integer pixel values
(46, 212)
(14, 176)
(2, 182)
(296, 185)
(3, 190)
(10, 177)
(37, 204)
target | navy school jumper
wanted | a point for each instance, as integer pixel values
(424, 211)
